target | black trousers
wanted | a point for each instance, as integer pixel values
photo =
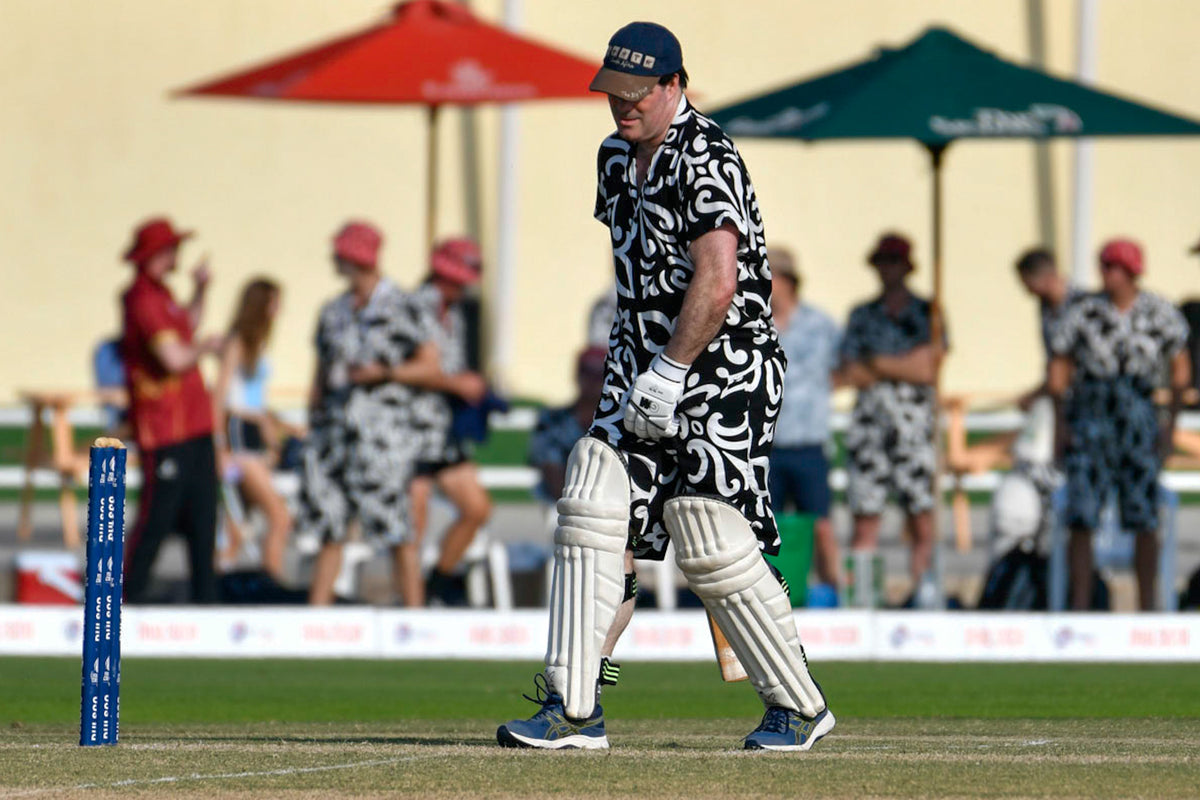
(179, 495)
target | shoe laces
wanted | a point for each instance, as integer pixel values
(542, 694)
(775, 720)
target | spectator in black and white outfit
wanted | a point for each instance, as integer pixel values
(1038, 272)
(1111, 352)
(373, 354)
(445, 459)
(1037, 269)
(889, 355)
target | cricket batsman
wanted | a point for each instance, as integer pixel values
(679, 444)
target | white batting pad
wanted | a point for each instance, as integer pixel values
(589, 571)
(719, 555)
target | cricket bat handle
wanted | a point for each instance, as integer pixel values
(731, 668)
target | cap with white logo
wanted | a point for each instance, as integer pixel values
(637, 56)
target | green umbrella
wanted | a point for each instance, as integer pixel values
(936, 90)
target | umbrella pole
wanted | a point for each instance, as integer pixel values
(431, 168)
(936, 151)
(960, 503)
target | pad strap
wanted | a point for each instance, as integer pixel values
(610, 672)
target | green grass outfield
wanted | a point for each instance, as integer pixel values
(238, 728)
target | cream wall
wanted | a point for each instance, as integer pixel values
(92, 144)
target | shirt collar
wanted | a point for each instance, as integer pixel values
(681, 110)
(881, 304)
(683, 113)
(381, 287)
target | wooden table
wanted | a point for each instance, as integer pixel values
(63, 458)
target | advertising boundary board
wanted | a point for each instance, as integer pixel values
(828, 635)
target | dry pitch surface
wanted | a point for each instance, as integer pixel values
(370, 729)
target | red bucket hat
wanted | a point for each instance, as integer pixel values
(358, 242)
(591, 359)
(153, 236)
(457, 260)
(891, 245)
(1124, 252)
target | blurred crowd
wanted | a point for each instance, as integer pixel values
(1117, 364)
(395, 406)
(392, 410)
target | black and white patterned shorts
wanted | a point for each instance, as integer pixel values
(890, 451)
(1112, 449)
(349, 475)
(722, 452)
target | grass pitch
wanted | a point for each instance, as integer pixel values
(366, 728)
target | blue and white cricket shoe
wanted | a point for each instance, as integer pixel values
(551, 728)
(785, 729)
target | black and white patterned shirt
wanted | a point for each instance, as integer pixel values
(448, 331)
(449, 328)
(387, 330)
(1052, 317)
(695, 184)
(871, 332)
(1105, 343)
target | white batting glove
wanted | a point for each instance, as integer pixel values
(650, 407)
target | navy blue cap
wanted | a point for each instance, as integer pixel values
(637, 56)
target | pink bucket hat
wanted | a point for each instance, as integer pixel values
(359, 242)
(1124, 252)
(458, 260)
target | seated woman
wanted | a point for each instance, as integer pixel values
(247, 439)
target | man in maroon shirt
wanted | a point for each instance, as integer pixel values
(171, 413)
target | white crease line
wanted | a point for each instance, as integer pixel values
(1026, 743)
(224, 776)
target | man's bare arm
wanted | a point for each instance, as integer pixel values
(177, 356)
(195, 307)
(853, 374)
(714, 282)
(423, 371)
(918, 365)
(1181, 379)
(1058, 378)
(316, 387)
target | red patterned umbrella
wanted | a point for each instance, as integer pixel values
(429, 52)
